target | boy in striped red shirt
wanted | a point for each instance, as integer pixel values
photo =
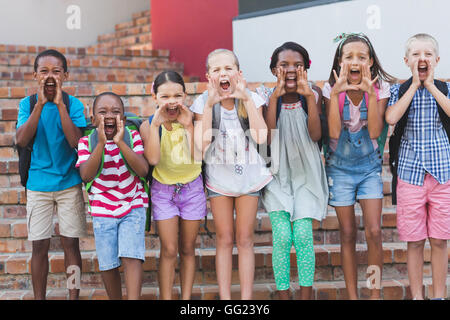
(117, 198)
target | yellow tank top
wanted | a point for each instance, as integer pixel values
(175, 164)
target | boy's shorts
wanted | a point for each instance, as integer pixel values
(117, 238)
(69, 205)
(423, 211)
(188, 201)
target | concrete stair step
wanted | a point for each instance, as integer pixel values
(87, 51)
(93, 74)
(24, 62)
(141, 29)
(126, 41)
(322, 290)
(328, 262)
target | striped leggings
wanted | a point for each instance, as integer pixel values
(283, 234)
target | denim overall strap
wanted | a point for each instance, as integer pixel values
(362, 109)
(346, 110)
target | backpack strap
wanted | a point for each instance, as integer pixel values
(92, 143)
(343, 100)
(302, 101)
(445, 119)
(132, 121)
(66, 100)
(216, 116)
(150, 119)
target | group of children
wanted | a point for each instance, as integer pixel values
(218, 144)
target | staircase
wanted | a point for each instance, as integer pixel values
(125, 63)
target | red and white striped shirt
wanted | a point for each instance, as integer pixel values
(115, 191)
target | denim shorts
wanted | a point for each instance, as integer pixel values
(117, 238)
(356, 180)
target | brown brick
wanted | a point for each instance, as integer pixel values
(17, 265)
(400, 255)
(326, 294)
(19, 230)
(4, 92)
(84, 90)
(5, 230)
(3, 167)
(394, 292)
(8, 127)
(6, 152)
(56, 263)
(201, 87)
(101, 88)
(4, 181)
(9, 197)
(389, 220)
(9, 114)
(120, 89)
(70, 90)
(13, 167)
(14, 212)
(135, 89)
(18, 92)
(330, 223)
(321, 257)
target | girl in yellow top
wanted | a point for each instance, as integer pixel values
(178, 197)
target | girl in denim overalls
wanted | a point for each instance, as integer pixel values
(355, 99)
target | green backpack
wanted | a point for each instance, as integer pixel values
(133, 122)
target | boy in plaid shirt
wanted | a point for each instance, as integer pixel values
(423, 187)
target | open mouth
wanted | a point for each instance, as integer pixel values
(50, 87)
(110, 128)
(291, 81)
(355, 72)
(354, 75)
(423, 70)
(172, 110)
(225, 85)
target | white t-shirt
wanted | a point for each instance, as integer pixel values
(233, 165)
(199, 103)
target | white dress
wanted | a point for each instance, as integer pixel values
(299, 184)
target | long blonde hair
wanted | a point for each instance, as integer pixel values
(242, 113)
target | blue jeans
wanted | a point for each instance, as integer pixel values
(354, 169)
(117, 238)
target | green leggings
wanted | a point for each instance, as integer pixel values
(283, 234)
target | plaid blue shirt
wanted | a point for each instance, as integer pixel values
(424, 146)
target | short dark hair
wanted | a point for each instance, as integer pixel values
(168, 76)
(293, 46)
(50, 53)
(108, 93)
